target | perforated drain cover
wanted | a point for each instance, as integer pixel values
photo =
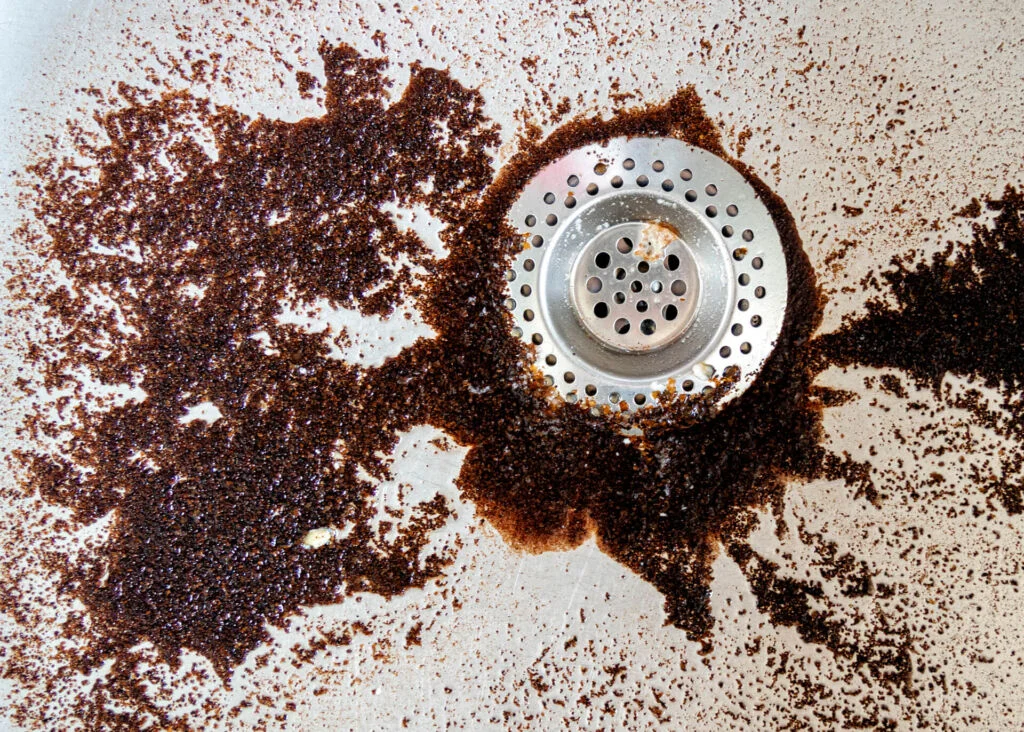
(649, 267)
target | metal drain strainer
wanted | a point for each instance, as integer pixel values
(648, 265)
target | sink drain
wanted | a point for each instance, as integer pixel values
(649, 266)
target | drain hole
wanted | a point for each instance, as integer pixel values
(600, 168)
(621, 326)
(569, 377)
(590, 390)
(551, 220)
(641, 306)
(537, 338)
(725, 351)
(690, 195)
(748, 235)
(526, 290)
(737, 329)
(594, 284)
(711, 211)
(656, 287)
(756, 263)
(549, 381)
(759, 292)
(667, 185)
(619, 298)
(743, 305)
(573, 181)
(529, 264)
(616, 182)
(527, 315)
(744, 348)
(686, 174)
(643, 267)
(647, 327)
(731, 209)
(592, 189)
(613, 397)
(572, 397)
(744, 279)
(601, 310)
(639, 399)
(727, 230)
(678, 288)
(510, 275)
(620, 274)
(551, 360)
(537, 240)
(624, 245)
(711, 189)
(628, 164)
(510, 304)
(658, 166)
(756, 321)
(669, 312)
(549, 198)
(636, 285)
(602, 260)
(642, 180)
(687, 385)
(531, 220)
(739, 254)
(570, 202)
(671, 262)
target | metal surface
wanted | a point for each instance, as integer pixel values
(649, 266)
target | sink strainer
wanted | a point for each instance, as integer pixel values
(648, 265)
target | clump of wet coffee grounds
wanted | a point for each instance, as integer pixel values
(962, 313)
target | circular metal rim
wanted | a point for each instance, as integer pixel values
(710, 190)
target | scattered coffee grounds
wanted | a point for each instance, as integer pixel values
(177, 244)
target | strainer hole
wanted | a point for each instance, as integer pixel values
(678, 288)
(624, 245)
(643, 267)
(572, 397)
(613, 397)
(648, 326)
(748, 235)
(711, 212)
(629, 163)
(537, 240)
(573, 181)
(621, 326)
(527, 315)
(641, 306)
(592, 189)
(603, 259)
(755, 321)
(759, 292)
(620, 274)
(636, 285)
(667, 185)
(600, 168)
(744, 347)
(743, 305)
(639, 398)
(594, 284)
(711, 189)
(549, 198)
(744, 279)
(569, 377)
(690, 195)
(728, 230)
(669, 312)
(739, 253)
(590, 390)
(671, 262)
(569, 202)
(687, 385)
(601, 310)
(529, 264)
(757, 263)
(619, 298)
(551, 359)
(549, 381)
(737, 329)
(725, 351)
(642, 180)
(616, 182)
(686, 174)
(526, 290)
(656, 287)
(658, 166)
(731, 209)
(510, 275)
(537, 339)
(530, 220)
(551, 220)
(510, 304)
